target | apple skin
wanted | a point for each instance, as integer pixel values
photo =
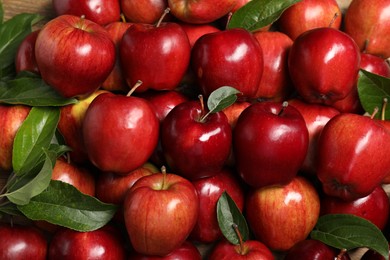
(25, 55)
(74, 55)
(200, 12)
(101, 12)
(160, 210)
(354, 138)
(187, 251)
(103, 243)
(11, 118)
(195, 31)
(165, 50)
(309, 14)
(372, 255)
(316, 116)
(368, 24)
(374, 207)
(281, 216)
(324, 65)
(192, 148)
(120, 132)
(146, 11)
(22, 242)
(275, 84)
(269, 148)
(209, 190)
(228, 58)
(375, 64)
(251, 250)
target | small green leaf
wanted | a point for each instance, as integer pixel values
(257, 14)
(372, 89)
(62, 204)
(34, 135)
(346, 231)
(228, 215)
(221, 98)
(10, 209)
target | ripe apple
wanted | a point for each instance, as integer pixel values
(324, 65)
(139, 11)
(103, 243)
(239, 4)
(195, 147)
(358, 140)
(249, 250)
(19, 242)
(160, 210)
(228, 58)
(209, 190)
(368, 23)
(374, 207)
(187, 251)
(120, 132)
(282, 216)
(99, 11)
(270, 142)
(195, 31)
(200, 12)
(375, 64)
(309, 14)
(158, 55)
(350, 103)
(234, 111)
(74, 55)
(372, 255)
(275, 84)
(25, 55)
(11, 118)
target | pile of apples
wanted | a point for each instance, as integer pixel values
(146, 136)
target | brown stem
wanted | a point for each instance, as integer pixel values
(204, 115)
(136, 85)
(241, 241)
(284, 105)
(333, 19)
(341, 254)
(376, 109)
(166, 11)
(123, 18)
(164, 173)
(229, 16)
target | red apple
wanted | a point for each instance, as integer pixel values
(324, 65)
(228, 58)
(375, 64)
(103, 243)
(160, 210)
(139, 11)
(275, 84)
(352, 158)
(368, 23)
(187, 251)
(270, 142)
(74, 55)
(194, 146)
(239, 4)
(372, 255)
(158, 55)
(99, 11)
(309, 14)
(120, 132)
(195, 31)
(200, 12)
(234, 111)
(209, 190)
(25, 55)
(350, 103)
(11, 118)
(22, 242)
(374, 207)
(282, 216)
(249, 250)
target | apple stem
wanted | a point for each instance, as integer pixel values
(284, 105)
(376, 109)
(166, 11)
(123, 18)
(333, 19)
(229, 17)
(164, 172)
(384, 105)
(136, 85)
(341, 254)
(238, 233)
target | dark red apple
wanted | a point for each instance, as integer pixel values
(270, 142)
(74, 55)
(372, 255)
(25, 55)
(148, 12)
(375, 64)
(249, 250)
(187, 251)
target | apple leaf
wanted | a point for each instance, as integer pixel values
(29, 89)
(257, 14)
(372, 90)
(229, 215)
(347, 231)
(221, 98)
(62, 204)
(34, 135)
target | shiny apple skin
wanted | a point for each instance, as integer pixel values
(228, 58)
(375, 64)
(310, 249)
(143, 11)
(252, 250)
(195, 149)
(195, 31)
(281, 216)
(25, 55)
(323, 65)
(120, 132)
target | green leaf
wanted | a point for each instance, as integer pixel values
(34, 134)
(259, 13)
(346, 231)
(221, 98)
(10, 209)
(62, 204)
(372, 90)
(1, 13)
(31, 90)
(23, 188)
(12, 33)
(228, 215)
